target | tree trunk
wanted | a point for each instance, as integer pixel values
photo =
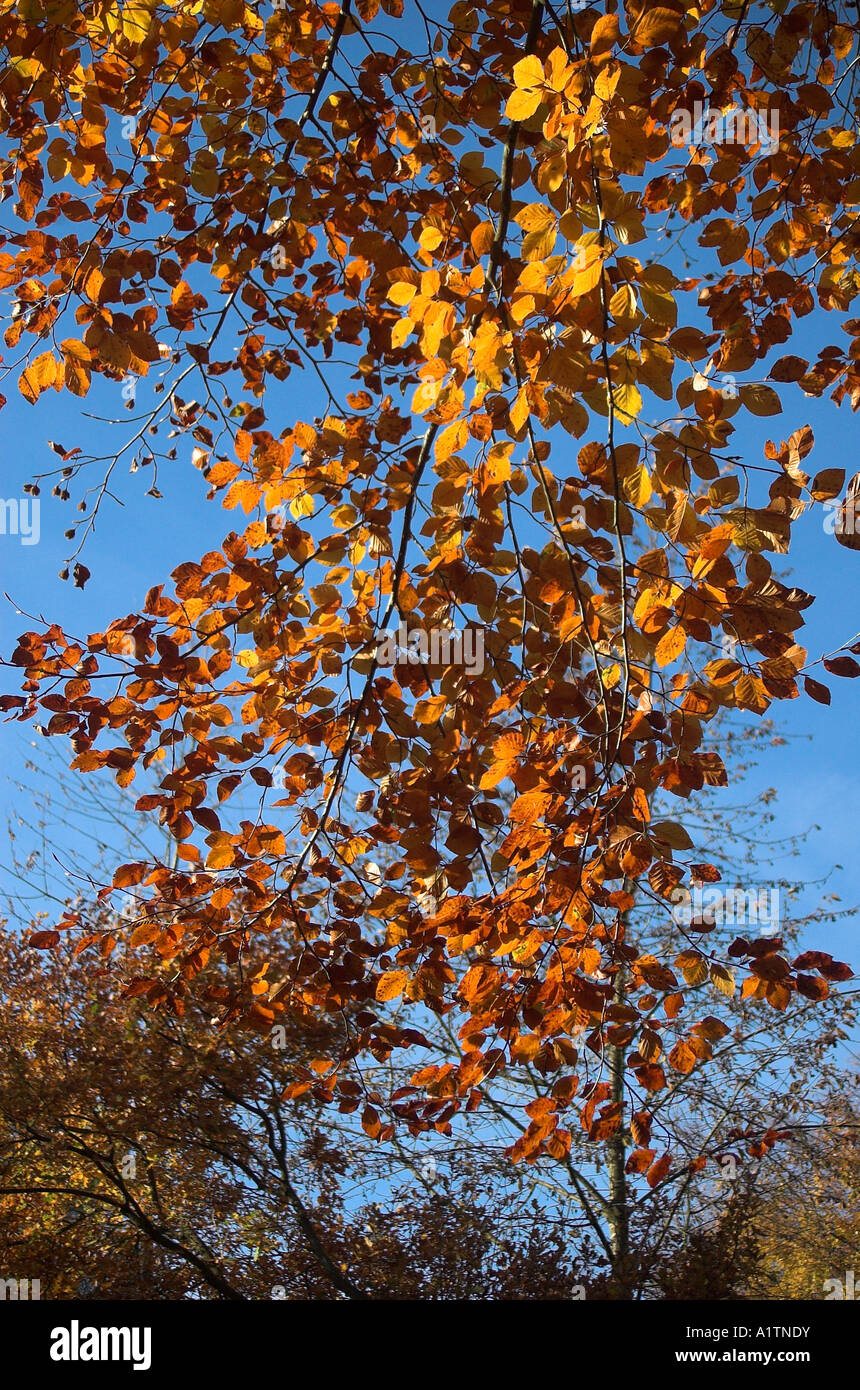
(619, 1214)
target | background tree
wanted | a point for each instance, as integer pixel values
(807, 1217)
(144, 1157)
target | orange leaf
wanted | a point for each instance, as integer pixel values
(658, 1170)
(142, 935)
(44, 940)
(38, 377)
(429, 711)
(656, 26)
(522, 105)
(391, 984)
(77, 358)
(670, 646)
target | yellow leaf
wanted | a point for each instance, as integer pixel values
(521, 105)
(344, 516)
(77, 359)
(391, 984)
(520, 409)
(451, 439)
(430, 238)
(550, 175)
(204, 177)
(751, 694)
(302, 506)
(670, 646)
(693, 966)
(722, 979)
(637, 486)
(136, 20)
(537, 217)
(425, 396)
(498, 463)
(528, 72)
(659, 305)
(607, 80)
(627, 401)
(92, 284)
(428, 711)
(587, 276)
(40, 374)
(221, 857)
(401, 293)
(623, 305)
(656, 27)
(538, 245)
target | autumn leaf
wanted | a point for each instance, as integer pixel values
(77, 359)
(761, 400)
(429, 711)
(670, 646)
(659, 1170)
(391, 984)
(722, 979)
(43, 940)
(656, 26)
(144, 934)
(816, 690)
(38, 377)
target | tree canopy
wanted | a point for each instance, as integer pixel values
(411, 290)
